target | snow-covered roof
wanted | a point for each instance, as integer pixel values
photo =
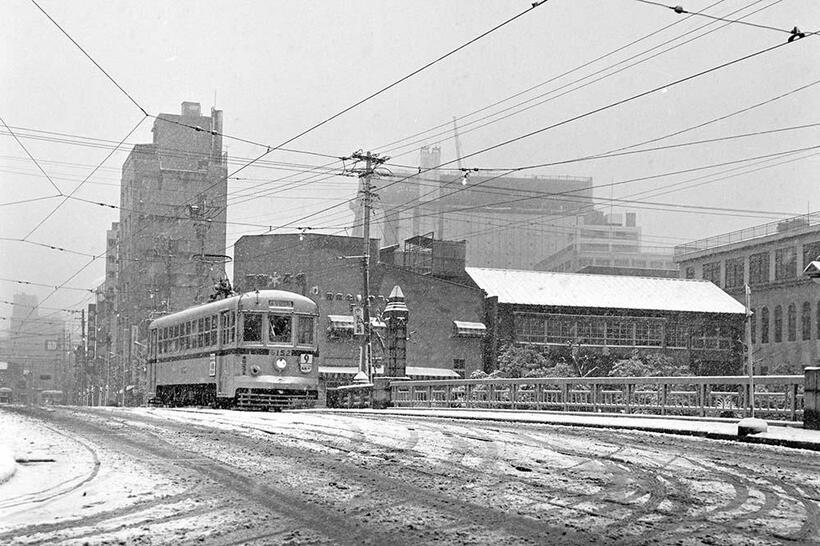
(603, 291)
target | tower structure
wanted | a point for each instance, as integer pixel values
(172, 224)
(506, 221)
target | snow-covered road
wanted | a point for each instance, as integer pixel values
(159, 476)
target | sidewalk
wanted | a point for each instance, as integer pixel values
(780, 433)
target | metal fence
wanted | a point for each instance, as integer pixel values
(779, 226)
(350, 396)
(775, 396)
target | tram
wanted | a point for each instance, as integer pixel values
(255, 350)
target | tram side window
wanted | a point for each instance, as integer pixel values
(252, 327)
(228, 330)
(187, 344)
(280, 328)
(200, 332)
(304, 332)
(206, 336)
(174, 338)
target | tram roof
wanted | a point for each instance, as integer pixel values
(262, 300)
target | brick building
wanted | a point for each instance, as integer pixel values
(440, 344)
(693, 322)
(171, 229)
(786, 305)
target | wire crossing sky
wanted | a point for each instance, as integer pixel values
(301, 84)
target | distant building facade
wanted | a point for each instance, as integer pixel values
(786, 305)
(171, 228)
(310, 264)
(609, 244)
(692, 322)
(509, 222)
(35, 353)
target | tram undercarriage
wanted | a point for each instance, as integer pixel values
(246, 398)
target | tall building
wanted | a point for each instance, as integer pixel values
(785, 304)
(35, 352)
(171, 233)
(609, 244)
(509, 222)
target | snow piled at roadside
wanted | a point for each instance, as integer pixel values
(7, 465)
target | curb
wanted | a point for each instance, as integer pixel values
(711, 435)
(7, 465)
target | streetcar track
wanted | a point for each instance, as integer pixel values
(408, 491)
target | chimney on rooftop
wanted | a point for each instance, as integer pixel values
(191, 109)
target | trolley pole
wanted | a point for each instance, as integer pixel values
(371, 162)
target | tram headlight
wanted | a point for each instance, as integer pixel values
(281, 363)
(255, 370)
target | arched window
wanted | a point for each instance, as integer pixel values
(817, 321)
(805, 321)
(792, 322)
(778, 324)
(764, 325)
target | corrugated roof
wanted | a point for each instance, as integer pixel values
(603, 291)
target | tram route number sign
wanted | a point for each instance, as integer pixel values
(212, 365)
(305, 362)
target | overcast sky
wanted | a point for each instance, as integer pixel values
(278, 68)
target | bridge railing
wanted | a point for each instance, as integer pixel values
(775, 396)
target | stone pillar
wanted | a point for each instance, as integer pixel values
(396, 316)
(811, 399)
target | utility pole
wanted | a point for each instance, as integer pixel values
(749, 358)
(372, 161)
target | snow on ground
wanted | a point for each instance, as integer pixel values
(62, 478)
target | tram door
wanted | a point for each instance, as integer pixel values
(152, 362)
(218, 360)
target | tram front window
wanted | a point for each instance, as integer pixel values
(252, 327)
(279, 328)
(305, 331)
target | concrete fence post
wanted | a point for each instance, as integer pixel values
(811, 398)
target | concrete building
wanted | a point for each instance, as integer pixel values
(786, 305)
(445, 337)
(609, 244)
(506, 222)
(35, 352)
(171, 233)
(693, 322)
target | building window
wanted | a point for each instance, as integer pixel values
(759, 268)
(711, 336)
(805, 321)
(753, 325)
(458, 366)
(810, 252)
(690, 272)
(778, 324)
(792, 321)
(734, 273)
(785, 263)
(677, 335)
(711, 272)
(764, 325)
(817, 320)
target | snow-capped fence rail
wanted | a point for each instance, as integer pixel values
(775, 396)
